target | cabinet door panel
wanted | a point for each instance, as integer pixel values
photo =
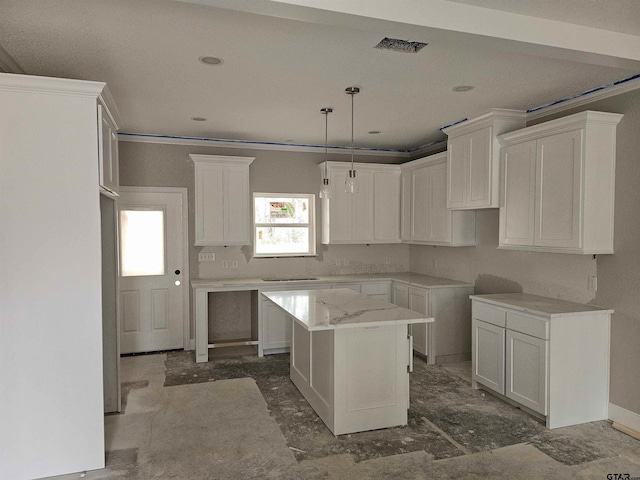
(558, 190)
(363, 213)
(405, 217)
(386, 198)
(487, 347)
(420, 214)
(457, 160)
(479, 169)
(276, 327)
(236, 206)
(340, 209)
(209, 201)
(526, 369)
(439, 215)
(518, 194)
(418, 302)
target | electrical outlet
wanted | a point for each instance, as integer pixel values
(345, 262)
(206, 257)
(337, 262)
(593, 283)
(234, 264)
(387, 260)
(225, 263)
(435, 263)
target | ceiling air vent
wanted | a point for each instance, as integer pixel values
(397, 45)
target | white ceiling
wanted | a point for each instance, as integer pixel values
(281, 68)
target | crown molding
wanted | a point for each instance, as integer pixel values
(51, 85)
(253, 145)
(590, 96)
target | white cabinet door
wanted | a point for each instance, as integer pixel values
(386, 206)
(439, 215)
(479, 171)
(406, 196)
(457, 166)
(418, 302)
(558, 191)
(362, 209)
(108, 152)
(209, 205)
(236, 206)
(340, 211)
(526, 369)
(518, 194)
(487, 350)
(400, 295)
(276, 327)
(420, 203)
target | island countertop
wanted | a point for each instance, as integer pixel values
(341, 308)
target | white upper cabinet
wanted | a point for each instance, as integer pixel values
(425, 217)
(473, 159)
(558, 181)
(108, 151)
(372, 215)
(222, 200)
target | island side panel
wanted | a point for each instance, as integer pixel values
(202, 325)
(312, 368)
(371, 381)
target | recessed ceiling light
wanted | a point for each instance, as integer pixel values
(374, 132)
(463, 88)
(198, 119)
(210, 60)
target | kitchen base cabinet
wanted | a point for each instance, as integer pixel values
(549, 356)
(448, 338)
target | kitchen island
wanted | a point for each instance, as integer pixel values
(350, 356)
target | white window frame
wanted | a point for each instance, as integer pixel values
(311, 198)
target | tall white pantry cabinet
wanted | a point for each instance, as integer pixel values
(51, 364)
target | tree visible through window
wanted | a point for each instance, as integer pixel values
(284, 225)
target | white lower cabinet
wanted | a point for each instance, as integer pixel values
(448, 338)
(276, 328)
(547, 355)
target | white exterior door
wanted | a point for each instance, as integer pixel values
(153, 283)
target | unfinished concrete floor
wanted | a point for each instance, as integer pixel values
(201, 426)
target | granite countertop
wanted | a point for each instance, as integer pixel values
(329, 309)
(415, 279)
(548, 307)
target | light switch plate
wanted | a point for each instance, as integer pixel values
(593, 283)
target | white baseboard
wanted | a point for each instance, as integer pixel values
(624, 417)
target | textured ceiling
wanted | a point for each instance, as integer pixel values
(279, 72)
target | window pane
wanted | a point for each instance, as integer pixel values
(282, 240)
(142, 242)
(281, 210)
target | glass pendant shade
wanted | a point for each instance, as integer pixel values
(351, 182)
(325, 187)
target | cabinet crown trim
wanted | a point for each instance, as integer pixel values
(221, 160)
(424, 161)
(564, 124)
(485, 120)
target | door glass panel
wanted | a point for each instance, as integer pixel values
(142, 242)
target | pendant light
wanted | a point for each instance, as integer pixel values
(351, 182)
(325, 189)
